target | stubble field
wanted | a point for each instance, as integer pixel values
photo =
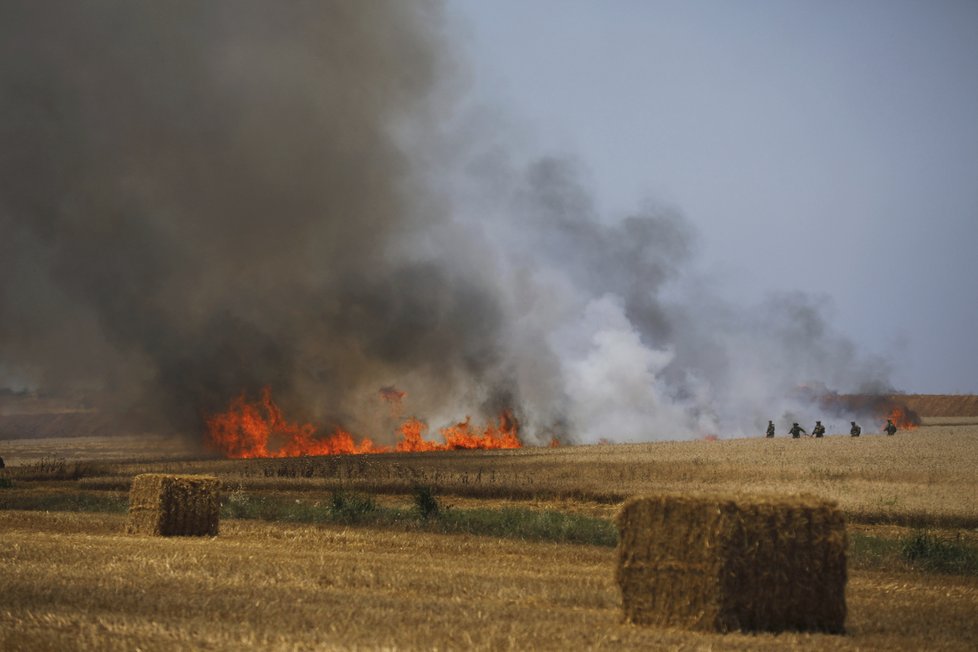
(286, 579)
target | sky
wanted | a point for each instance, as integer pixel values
(824, 147)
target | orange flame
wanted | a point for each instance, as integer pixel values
(412, 441)
(902, 420)
(460, 436)
(494, 436)
(259, 429)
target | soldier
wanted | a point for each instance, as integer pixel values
(890, 428)
(818, 430)
(796, 430)
(855, 431)
(770, 428)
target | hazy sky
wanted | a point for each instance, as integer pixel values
(826, 147)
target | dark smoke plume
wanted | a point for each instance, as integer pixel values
(199, 199)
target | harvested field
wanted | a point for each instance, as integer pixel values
(70, 423)
(76, 581)
(923, 477)
(27, 451)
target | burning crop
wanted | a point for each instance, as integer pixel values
(877, 407)
(249, 429)
(461, 436)
(902, 417)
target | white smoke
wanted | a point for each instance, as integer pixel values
(614, 378)
(613, 334)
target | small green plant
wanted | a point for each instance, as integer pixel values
(929, 552)
(67, 502)
(425, 502)
(349, 507)
(6, 483)
(529, 524)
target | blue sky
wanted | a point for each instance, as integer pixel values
(824, 147)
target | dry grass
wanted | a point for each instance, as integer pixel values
(100, 449)
(925, 477)
(77, 582)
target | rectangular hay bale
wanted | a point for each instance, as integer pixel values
(174, 505)
(721, 563)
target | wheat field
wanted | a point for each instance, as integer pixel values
(76, 581)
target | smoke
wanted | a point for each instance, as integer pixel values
(616, 335)
(202, 199)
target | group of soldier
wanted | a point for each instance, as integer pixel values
(819, 430)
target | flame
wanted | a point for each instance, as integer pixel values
(494, 436)
(460, 436)
(877, 407)
(412, 441)
(902, 419)
(259, 429)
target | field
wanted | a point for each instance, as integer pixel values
(516, 553)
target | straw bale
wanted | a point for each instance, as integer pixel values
(173, 505)
(722, 563)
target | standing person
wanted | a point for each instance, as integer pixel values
(855, 431)
(818, 430)
(770, 428)
(796, 430)
(890, 428)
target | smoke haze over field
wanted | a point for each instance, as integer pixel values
(200, 199)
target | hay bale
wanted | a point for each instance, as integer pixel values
(727, 563)
(173, 505)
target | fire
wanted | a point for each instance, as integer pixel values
(494, 436)
(877, 407)
(461, 436)
(259, 429)
(902, 419)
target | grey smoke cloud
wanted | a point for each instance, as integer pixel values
(619, 337)
(200, 199)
